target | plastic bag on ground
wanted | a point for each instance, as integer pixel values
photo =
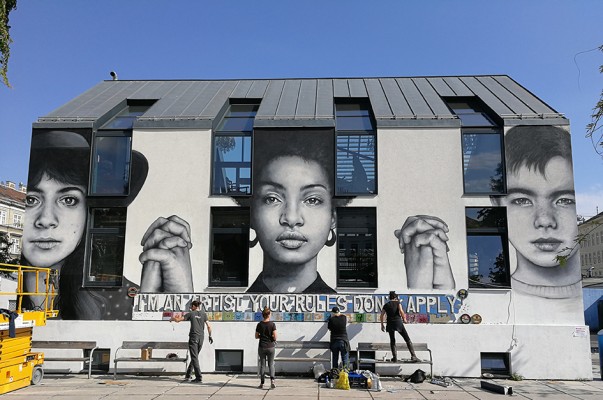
(343, 382)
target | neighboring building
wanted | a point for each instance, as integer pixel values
(149, 194)
(12, 213)
(591, 248)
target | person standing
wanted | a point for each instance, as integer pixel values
(197, 318)
(395, 323)
(339, 338)
(265, 331)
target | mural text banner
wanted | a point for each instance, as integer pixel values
(420, 308)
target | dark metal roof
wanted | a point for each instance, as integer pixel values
(396, 102)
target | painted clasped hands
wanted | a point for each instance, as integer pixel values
(422, 240)
(166, 262)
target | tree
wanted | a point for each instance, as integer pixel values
(4, 247)
(6, 6)
(593, 130)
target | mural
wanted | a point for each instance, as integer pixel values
(292, 208)
(423, 241)
(541, 212)
(292, 218)
(420, 308)
(55, 223)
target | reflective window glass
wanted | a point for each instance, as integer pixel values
(482, 163)
(111, 165)
(487, 247)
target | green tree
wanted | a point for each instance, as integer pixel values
(6, 6)
(593, 130)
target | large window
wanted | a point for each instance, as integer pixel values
(230, 246)
(487, 247)
(483, 167)
(111, 163)
(112, 151)
(356, 148)
(232, 151)
(357, 247)
(106, 239)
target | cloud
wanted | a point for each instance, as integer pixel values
(588, 201)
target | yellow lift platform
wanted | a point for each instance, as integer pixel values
(19, 366)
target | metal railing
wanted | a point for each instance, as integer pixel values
(43, 288)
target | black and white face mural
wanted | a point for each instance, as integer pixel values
(541, 211)
(56, 210)
(293, 220)
(57, 207)
(292, 208)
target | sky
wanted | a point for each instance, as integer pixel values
(62, 48)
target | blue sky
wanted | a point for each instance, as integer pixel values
(62, 48)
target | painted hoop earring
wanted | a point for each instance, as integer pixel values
(332, 238)
(253, 241)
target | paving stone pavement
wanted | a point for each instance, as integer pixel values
(244, 386)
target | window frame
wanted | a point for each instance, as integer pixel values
(492, 231)
(492, 126)
(350, 230)
(94, 165)
(102, 231)
(233, 368)
(242, 186)
(243, 231)
(364, 106)
(492, 132)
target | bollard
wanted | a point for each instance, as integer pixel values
(600, 340)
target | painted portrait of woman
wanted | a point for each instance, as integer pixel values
(55, 223)
(293, 212)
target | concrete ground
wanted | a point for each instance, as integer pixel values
(226, 387)
(229, 386)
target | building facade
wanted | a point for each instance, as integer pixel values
(12, 212)
(303, 194)
(592, 246)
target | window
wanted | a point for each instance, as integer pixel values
(357, 247)
(487, 247)
(125, 119)
(356, 148)
(495, 363)
(18, 220)
(483, 168)
(232, 151)
(105, 247)
(230, 246)
(111, 163)
(112, 151)
(2, 217)
(229, 360)
(15, 247)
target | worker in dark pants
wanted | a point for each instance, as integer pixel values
(395, 323)
(339, 338)
(197, 317)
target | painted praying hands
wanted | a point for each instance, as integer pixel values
(166, 261)
(423, 241)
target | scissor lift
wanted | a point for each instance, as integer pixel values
(19, 366)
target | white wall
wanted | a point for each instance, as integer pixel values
(538, 352)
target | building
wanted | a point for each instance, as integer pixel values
(12, 212)
(303, 194)
(592, 246)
